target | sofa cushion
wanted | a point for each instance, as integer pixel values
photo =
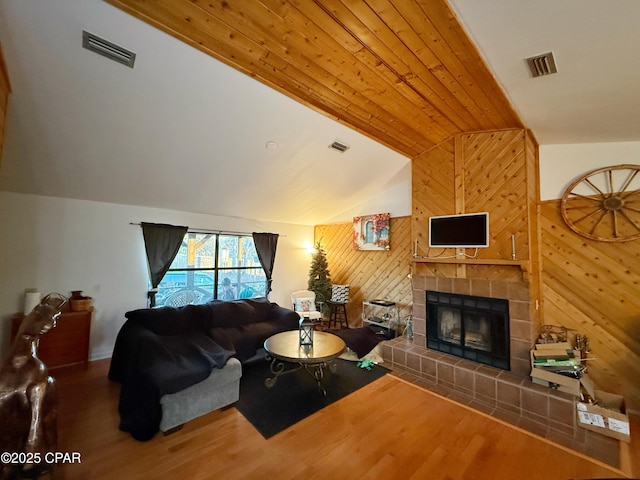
(177, 361)
(239, 312)
(163, 364)
(218, 390)
(173, 320)
(234, 338)
(246, 340)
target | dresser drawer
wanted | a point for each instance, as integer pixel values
(67, 343)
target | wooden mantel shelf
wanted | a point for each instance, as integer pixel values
(523, 264)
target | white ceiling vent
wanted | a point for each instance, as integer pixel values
(107, 49)
(339, 146)
(542, 64)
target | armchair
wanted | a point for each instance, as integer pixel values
(304, 303)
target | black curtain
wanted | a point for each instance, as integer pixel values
(266, 244)
(162, 242)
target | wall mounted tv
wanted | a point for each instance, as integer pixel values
(465, 230)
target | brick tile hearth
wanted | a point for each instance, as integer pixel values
(510, 396)
(540, 410)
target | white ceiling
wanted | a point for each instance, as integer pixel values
(182, 131)
(595, 96)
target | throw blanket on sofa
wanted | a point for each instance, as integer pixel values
(164, 364)
(165, 350)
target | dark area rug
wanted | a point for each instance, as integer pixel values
(296, 395)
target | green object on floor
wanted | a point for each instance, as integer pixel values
(366, 363)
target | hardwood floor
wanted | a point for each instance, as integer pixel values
(388, 429)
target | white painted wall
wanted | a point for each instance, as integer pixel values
(57, 244)
(561, 164)
(394, 198)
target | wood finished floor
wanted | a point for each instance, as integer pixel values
(389, 429)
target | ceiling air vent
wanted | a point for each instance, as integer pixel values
(542, 64)
(339, 146)
(107, 49)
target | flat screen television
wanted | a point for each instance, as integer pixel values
(465, 230)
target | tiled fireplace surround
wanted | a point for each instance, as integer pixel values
(509, 396)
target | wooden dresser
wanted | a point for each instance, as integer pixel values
(67, 343)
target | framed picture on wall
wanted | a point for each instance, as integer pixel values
(371, 232)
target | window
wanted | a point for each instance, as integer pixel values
(212, 266)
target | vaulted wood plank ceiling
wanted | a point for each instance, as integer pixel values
(402, 72)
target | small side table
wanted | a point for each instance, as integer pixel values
(381, 316)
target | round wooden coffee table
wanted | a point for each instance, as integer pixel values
(284, 348)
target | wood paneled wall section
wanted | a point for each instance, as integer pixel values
(490, 172)
(594, 288)
(432, 190)
(495, 172)
(5, 89)
(404, 72)
(370, 274)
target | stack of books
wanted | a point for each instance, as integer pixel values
(557, 365)
(555, 357)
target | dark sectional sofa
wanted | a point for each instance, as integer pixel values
(175, 364)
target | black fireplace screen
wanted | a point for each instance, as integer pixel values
(471, 327)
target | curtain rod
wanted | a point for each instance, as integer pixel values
(206, 230)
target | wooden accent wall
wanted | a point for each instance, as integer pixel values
(594, 288)
(432, 190)
(5, 89)
(404, 72)
(491, 171)
(591, 287)
(370, 274)
(495, 172)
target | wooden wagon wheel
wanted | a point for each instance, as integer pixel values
(604, 204)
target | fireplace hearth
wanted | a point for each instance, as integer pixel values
(508, 395)
(470, 327)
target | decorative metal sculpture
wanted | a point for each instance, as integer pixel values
(28, 399)
(408, 328)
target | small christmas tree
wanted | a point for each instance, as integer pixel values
(319, 276)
